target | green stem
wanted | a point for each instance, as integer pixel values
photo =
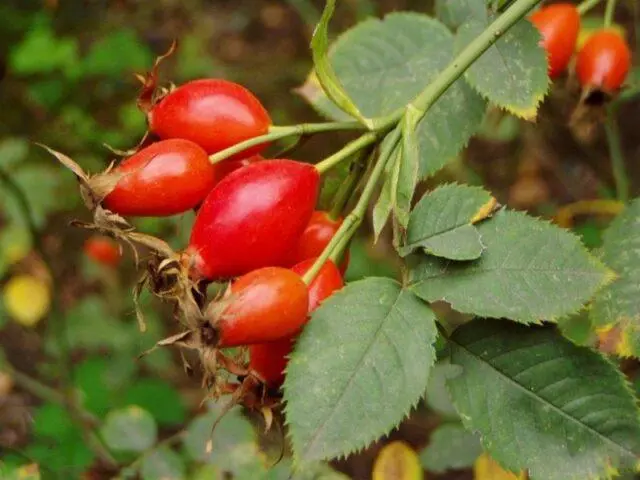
(350, 149)
(464, 60)
(587, 5)
(351, 222)
(276, 133)
(609, 12)
(345, 190)
(617, 158)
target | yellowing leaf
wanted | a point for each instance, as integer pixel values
(486, 468)
(27, 299)
(397, 461)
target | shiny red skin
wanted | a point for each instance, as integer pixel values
(265, 305)
(253, 218)
(604, 61)
(268, 360)
(316, 236)
(102, 250)
(225, 167)
(559, 25)
(165, 178)
(214, 113)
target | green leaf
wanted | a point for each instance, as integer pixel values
(381, 352)
(323, 68)
(163, 464)
(130, 429)
(120, 52)
(542, 403)
(513, 72)
(234, 440)
(159, 398)
(13, 150)
(384, 64)
(530, 271)
(58, 442)
(42, 52)
(619, 304)
(437, 395)
(454, 13)
(384, 205)
(441, 222)
(408, 166)
(451, 447)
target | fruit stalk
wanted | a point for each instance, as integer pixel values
(608, 13)
(276, 133)
(617, 158)
(346, 189)
(587, 5)
(346, 152)
(351, 222)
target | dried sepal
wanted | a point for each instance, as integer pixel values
(149, 93)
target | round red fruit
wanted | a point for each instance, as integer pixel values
(253, 218)
(268, 361)
(165, 178)
(214, 113)
(559, 25)
(102, 250)
(225, 167)
(603, 61)
(262, 306)
(316, 236)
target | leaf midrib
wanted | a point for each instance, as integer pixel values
(321, 428)
(562, 413)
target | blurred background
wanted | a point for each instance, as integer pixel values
(66, 80)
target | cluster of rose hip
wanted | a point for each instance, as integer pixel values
(256, 225)
(603, 62)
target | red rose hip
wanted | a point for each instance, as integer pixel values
(253, 218)
(268, 361)
(604, 61)
(165, 178)
(214, 113)
(559, 25)
(102, 250)
(264, 305)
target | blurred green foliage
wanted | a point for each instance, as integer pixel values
(67, 81)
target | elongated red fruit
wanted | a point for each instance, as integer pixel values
(604, 61)
(102, 250)
(268, 360)
(316, 236)
(214, 113)
(165, 178)
(264, 305)
(559, 25)
(253, 218)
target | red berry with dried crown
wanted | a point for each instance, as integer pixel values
(267, 361)
(214, 113)
(264, 305)
(604, 61)
(165, 178)
(252, 219)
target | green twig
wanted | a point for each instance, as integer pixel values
(276, 133)
(587, 5)
(615, 153)
(346, 189)
(470, 54)
(351, 222)
(350, 149)
(609, 12)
